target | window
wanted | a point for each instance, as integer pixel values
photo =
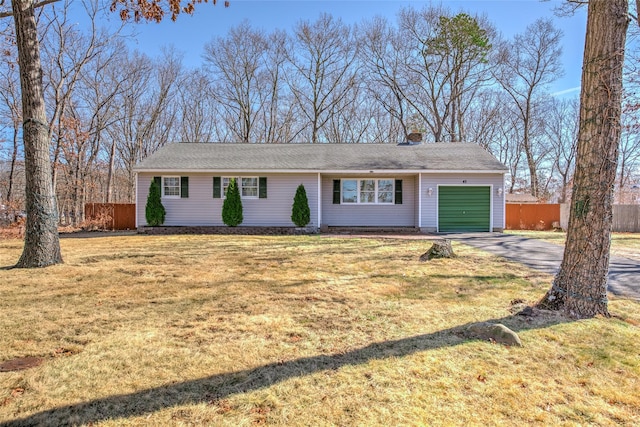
(385, 191)
(367, 191)
(350, 191)
(170, 186)
(248, 186)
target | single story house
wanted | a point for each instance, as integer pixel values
(433, 187)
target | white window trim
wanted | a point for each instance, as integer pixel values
(239, 183)
(257, 187)
(358, 202)
(171, 196)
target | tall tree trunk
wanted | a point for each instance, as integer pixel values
(110, 176)
(621, 182)
(41, 241)
(580, 286)
(528, 151)
(533, 169)
(12, 171)
(563, 191)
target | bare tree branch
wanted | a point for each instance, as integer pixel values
(35, 6)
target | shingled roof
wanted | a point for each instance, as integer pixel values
(431, 157)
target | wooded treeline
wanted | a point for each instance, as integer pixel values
(449, 75)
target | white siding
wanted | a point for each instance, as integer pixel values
(200, 208)
(430, 203)
(403, 215)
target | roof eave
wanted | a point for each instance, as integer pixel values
(325, 171)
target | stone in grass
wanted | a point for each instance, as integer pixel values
(495, 332)
(439, 249)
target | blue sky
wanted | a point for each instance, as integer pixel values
(190, 33)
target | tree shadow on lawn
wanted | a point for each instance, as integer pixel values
(214, 388)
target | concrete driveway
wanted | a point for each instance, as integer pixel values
(624, 273)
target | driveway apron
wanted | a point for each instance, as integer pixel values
(624, 273)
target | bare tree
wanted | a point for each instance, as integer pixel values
(562, 132)
(247, 67)
(629, 154)
(83, 134)
(196, 108)
(508, 148)
(12, 114)
(237, 63)
(447, 67)
(146, 119)
(66, 52)
(353, 118)
(324, 72)
(527, 65)
(384, 55)
(103, 82)
(486, 117)
(79, 151)
(42, 244)
(629, 157)
(277, 119)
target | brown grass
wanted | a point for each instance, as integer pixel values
(237, 330)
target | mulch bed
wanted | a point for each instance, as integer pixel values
(267, 231)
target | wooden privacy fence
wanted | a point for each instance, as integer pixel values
(532, 216)
(111, 216)
(626, 218)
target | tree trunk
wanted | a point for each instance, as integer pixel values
(41, 240)
(565, 185)
(526, 144)
(621, 182)
(12, 171)
(110, 175)
(580, 286)
(439, 249)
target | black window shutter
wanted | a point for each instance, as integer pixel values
(398, 192)
(184, 187)
(158, 181)
(262, 187)
(336, 191)
(217, 187)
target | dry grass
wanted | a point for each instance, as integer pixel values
(224, 330)
(622, 244)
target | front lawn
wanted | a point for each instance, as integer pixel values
(305, 330)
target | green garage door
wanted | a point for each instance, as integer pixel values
(464, 208)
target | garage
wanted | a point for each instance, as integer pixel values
(464, 208)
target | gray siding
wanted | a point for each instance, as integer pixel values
(200, 208)
(416, 192)
(430, 203)
(403, 215)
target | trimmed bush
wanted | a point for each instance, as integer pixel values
(232, 206)
(154, 211)
(300, 212)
